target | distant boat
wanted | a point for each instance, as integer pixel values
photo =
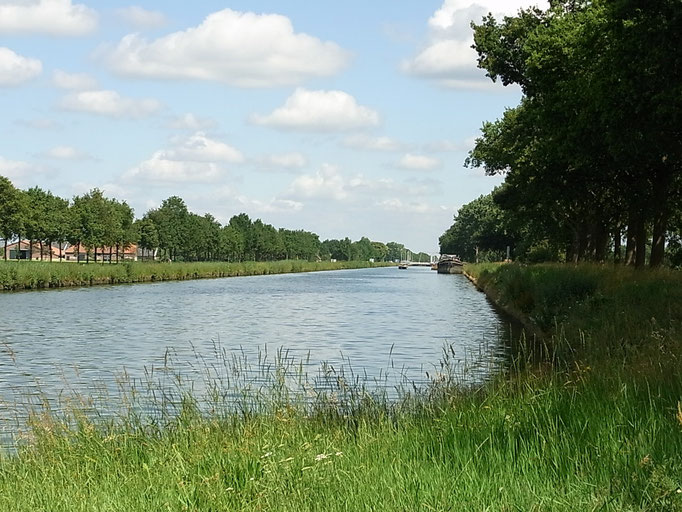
(402, 266)
(450, 264)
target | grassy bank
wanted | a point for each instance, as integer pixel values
(29, 275)
(591, 312)
(596, 425)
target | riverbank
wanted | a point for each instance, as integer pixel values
(33, 275)
(596, 424)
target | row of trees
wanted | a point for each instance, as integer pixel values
(592, 155)
(91, 221)
(98, 224)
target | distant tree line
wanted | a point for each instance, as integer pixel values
(97, 225)
(592, 155)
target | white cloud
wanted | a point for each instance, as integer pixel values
(191, 122)
(448, 58)
(370, 143)
(418, 162)
(159, 168)
(319, 111)
(194, 159)
(13, 169)
(236, 48)
(75, 81)
(329, 183)
(326, 183)
(111, 190)
(66, 153)
(51, 17)
(15, 69)
(287, 161)
(200, 148)
(446, 146)
(142, 18)
(273, 205)
(110, 103)
(398, 205)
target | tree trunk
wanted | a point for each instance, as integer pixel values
(616, 246)
(40, 244)
(582, 242)
(111, 254)
(572, 251)
(5, 248)
(600, 242)
(660, 207)
(640, 242)
(30, 249)
(630, 245)
(658, 242)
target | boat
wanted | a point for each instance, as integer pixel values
(450, 264)
(402, 266)
(434, 266)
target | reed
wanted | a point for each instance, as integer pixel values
(31, 275)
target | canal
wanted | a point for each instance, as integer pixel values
(382, 326)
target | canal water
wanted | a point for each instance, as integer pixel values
(381, 326)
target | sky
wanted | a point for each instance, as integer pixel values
(345, 118)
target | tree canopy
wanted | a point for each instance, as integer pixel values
(592, 154)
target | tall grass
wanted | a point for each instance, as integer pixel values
(36, 275)
(596, 424)
(591, 311)
(578, 440)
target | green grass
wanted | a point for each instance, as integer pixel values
(578, 441)
(28, 275)
(595, 425)
(591, 311)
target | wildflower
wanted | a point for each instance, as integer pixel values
(265, 455)
(339, 454)
(320, 456)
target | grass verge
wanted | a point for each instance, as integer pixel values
(31, 275)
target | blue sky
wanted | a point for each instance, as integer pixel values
(344, 118)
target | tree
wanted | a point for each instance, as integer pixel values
(596, 140)
(93, 221)
(479, 227)
(172, 225)
(147, 236)
(12, 212)
(362, 250)
(35, 221)
(58, 222)
(380, 251)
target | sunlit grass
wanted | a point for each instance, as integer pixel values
(571, 441)
(34, 275)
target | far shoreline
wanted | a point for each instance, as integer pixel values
(17, 276)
